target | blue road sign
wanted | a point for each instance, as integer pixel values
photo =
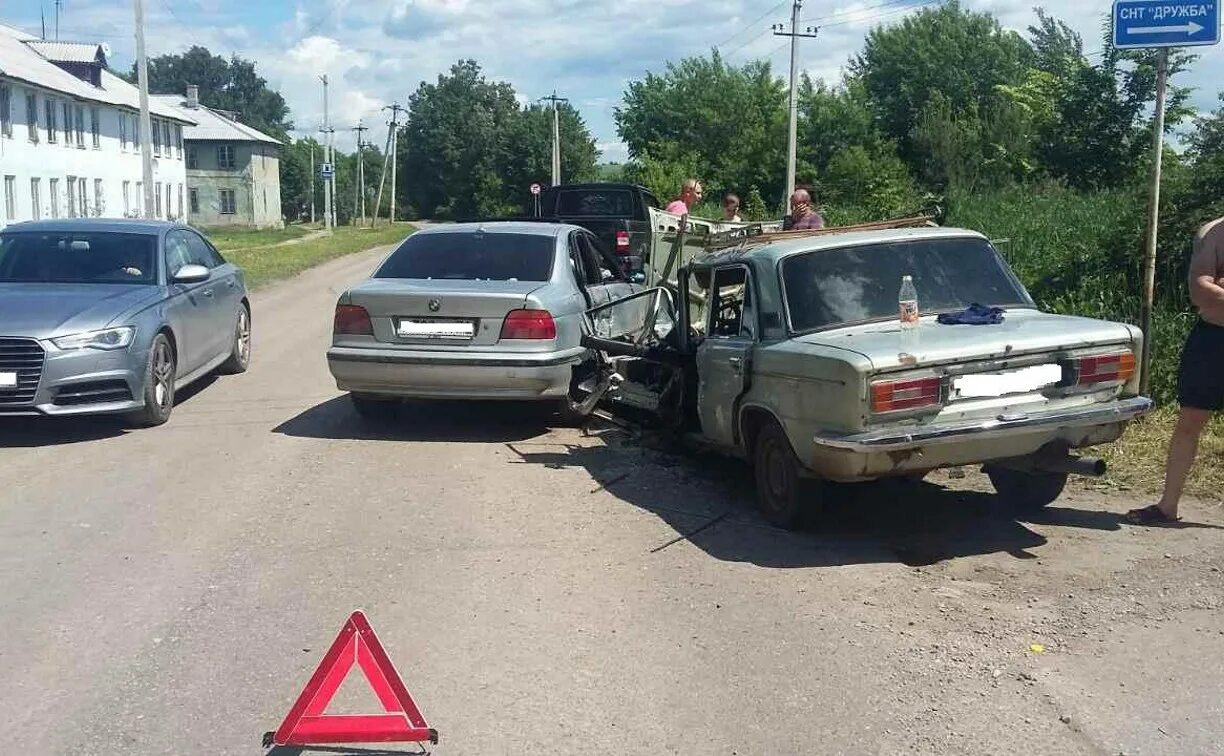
(326, 170)
(1166, 23)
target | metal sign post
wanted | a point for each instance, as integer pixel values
(535, 196)
(1160, 24)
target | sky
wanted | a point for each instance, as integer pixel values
(376, 52)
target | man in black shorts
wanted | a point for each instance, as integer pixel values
(1201, 379)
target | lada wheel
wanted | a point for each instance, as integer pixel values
(780, 485)
(1027, 491)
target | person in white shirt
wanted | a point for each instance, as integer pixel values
(730, 207)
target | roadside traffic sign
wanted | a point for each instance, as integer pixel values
(1165, 23)
(327, 170)
(535, 188)
(306, 724)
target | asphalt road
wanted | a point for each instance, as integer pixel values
(169, 591)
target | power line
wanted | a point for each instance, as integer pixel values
(756, 21)
(856, 11)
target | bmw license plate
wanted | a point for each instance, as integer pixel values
(437, 329)
(8, 380)
(1023, 381)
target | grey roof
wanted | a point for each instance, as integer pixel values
(20, 61)
(93, 225)
(69, 52)
(785, 247)
(212, 125)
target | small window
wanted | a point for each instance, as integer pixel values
(53, 189)
(180, 201)
(194, 198)
(99, 204)
(32, 116)
(225, 156)
(193, 160)
(83, 199)
(52, 124)
(10, 197)
(127, 198)
(36, 199)
(730, 304)
(229, 205)
(178, 140)
(157, 197)
(67, 124)
(95, 127)
(157, 143)
(169, 205)
(123, 131)
(80, 127)
(6, 110)
(72, 200)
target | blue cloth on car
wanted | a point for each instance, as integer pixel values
(975, 314)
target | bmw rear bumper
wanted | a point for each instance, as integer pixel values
(423, 374)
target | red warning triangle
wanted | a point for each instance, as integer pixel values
(357, 644)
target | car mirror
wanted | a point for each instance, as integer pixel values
(189, 274)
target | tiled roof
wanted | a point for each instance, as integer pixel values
(68, 52)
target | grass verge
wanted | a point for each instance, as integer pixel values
(227, 239)
(266, 264)
(1136, 462)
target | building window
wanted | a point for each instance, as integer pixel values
(157, 198)
(123, 140)
(193, 160)
(52, 124)
(225, 156)
(53, 187)
(178, 139)
(36, 198)
(127, 197)
(80, 126)
(99, 204)
(32, 116)
(95, 128)
(156, 137)
(6, 110)
(72, 205)
(180, 201)
(10, 197)
(168, 138)
(67, 124)
(193, 196)
(228, 205)
(169, 189)
(81, 197)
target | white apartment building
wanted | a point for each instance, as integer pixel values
(70, 136)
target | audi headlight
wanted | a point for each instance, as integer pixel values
(109, 338)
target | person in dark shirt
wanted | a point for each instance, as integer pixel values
(803, 216)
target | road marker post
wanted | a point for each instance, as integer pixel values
(401, 722)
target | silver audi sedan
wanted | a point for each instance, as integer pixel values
(474, 311)
(113, 316)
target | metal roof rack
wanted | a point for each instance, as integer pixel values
(754, 235)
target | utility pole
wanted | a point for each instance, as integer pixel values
(392, 155)
(779, 30)
(59, 3)
(327, 187)
(146, 126)
(312, 190)
(1149, 256)
(360, 198)
(556, 136)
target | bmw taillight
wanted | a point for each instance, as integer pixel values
(353, 321)
(529, 324)
(896, 396)
(1118, 367)
(622, 242)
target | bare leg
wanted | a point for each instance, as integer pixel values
(1182, 450)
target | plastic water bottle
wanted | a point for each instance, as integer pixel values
(908, 304)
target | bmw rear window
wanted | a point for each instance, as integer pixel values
(454, 256)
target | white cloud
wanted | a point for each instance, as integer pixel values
(377, 51)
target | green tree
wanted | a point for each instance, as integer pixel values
(727, 123)
(469, 150)
(232, 85)
(959, 55)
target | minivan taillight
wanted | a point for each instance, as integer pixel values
(622, 242)
(895, 396)
(352, 320)
(1106, 368)
(529, 324)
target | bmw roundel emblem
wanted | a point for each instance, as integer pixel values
(435, 305)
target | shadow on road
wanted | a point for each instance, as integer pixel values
(34, 432)
(709, 502)
(442, 422)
